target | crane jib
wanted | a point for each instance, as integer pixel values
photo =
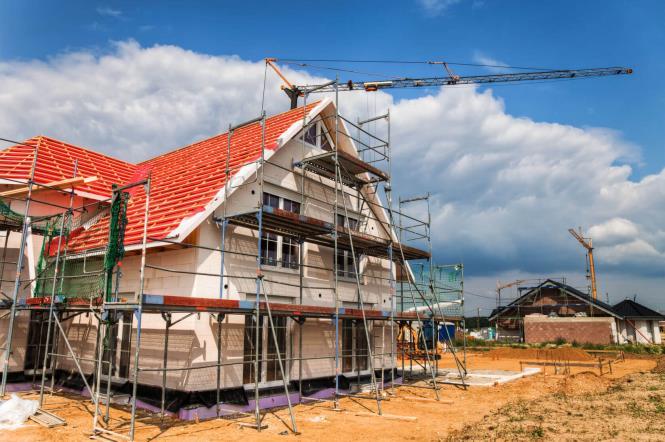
(371, 86)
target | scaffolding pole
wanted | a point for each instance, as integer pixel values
(19, 268)
(139, 310)
(357, 254)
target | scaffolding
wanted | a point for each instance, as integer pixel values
(73, 282)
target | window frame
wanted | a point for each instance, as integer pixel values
(268, 367)
(321, 131)
(345, 269)
(357, 357)
(281, 242)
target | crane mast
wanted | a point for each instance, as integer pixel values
(587, 243)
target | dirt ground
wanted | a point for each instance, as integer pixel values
(409, 413)
(631, 408)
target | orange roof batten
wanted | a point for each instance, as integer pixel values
(55, 162)
(184, 182)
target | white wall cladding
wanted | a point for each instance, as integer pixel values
(193, 341)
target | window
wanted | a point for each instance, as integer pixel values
(125, 344)
(290, 206)
(347, 223)
(345, 267)
(119, 337)
(310, 134)
(36, 346)
(249, 351)
(290, 249)
(276, 250)
(269, 247)
(268, 361)
(355, 353)
(318, 135)
(273, 373)
(271, 200)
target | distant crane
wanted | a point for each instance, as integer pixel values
(500, 287)
(587, 243)
(293, 91)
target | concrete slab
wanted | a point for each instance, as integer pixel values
(486, 378)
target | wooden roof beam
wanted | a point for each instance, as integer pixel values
(61, 184)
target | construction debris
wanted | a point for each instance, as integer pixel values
(15, 411)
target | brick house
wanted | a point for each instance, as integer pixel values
(553, 310)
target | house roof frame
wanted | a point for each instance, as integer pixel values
(568, 290)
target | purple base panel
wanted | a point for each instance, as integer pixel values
(202, 413)
(277, 401)
(152, 408)
(22, 386)
(327, 393)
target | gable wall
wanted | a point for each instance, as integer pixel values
(550, 300)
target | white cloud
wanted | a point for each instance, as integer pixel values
(506, 189)
(613, 231)
(134, 102)
(437, 7)
(491, 64)
(109, 12)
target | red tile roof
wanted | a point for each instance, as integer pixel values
(55, 162)
(183, 182)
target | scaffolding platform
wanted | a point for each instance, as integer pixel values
(352, 180)
(188, 304)
(316, 231)
(352, 169)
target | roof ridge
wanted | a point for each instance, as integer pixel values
(177, 149)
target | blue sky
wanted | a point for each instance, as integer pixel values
(566, 34)
(511, 168)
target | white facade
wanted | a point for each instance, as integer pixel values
(193, 340)
(640, 331)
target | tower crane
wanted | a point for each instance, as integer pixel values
(500, 286)
(587, 243)
(450, 79)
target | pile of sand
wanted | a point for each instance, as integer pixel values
(556, 354)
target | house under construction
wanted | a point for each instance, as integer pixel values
(258, 268)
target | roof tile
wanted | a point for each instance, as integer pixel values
(183, 181)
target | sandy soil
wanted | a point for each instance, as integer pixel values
(411, 414)
(632, 408)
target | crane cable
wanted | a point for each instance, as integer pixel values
(426, 62)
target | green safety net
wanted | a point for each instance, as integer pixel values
(11, 220)
(90, 274)
(445, 286)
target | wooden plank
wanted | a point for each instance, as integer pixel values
(49, 420)
(61, 184)
(387, 416)
(426, 399)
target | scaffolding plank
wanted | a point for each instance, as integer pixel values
(48, 420)
(352, 168)
(316, 231)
